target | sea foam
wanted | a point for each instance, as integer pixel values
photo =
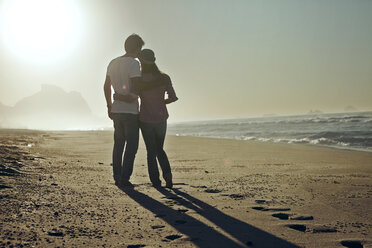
(343, 130)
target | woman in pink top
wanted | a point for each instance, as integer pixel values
(153, 117)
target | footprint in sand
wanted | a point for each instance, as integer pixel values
(173, 237)
(281, 216)
(272, 209)
(7, 171)
(182, 210)
(235, 196)
(276, 209)
(2, 186)
(284, 216)
(55, 233)
(352, 244)
(157, 227)
(212, 191)
(301, 228)
(135, 246)
(199, 187)
(303, 218)
(324, 229)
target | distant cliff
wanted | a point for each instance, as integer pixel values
(4, 112)
(50, 108)
(4, 109)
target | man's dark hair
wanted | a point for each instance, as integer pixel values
(133, 43)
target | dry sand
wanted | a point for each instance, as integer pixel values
(56, 190)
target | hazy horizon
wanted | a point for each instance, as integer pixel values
(227, 60)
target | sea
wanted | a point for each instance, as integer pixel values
(341, 130)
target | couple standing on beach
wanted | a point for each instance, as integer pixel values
(131, 79)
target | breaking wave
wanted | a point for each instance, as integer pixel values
(353, 131)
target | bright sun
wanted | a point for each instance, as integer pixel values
(40, 31)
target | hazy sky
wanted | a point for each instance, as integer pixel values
(226, 59)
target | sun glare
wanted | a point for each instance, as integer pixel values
(40, 31)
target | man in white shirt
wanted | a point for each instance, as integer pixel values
(124, 76)
(122, 73)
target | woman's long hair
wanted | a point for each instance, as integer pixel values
(150, 68)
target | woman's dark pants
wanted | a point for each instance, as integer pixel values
(154, 135)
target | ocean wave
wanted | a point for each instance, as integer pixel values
(307, 119)
(350, 142)
(339, 130)
(319, 120)
(316, 141)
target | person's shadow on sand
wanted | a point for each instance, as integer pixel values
(237, 233)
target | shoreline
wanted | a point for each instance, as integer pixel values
(280, 142)
(227, 193)
(206, 137)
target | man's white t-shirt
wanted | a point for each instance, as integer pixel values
(120, 71)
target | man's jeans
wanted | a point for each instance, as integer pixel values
(126, 131)
(154, 135)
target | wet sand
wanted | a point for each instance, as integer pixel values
(56, 190)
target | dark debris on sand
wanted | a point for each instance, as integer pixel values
(157, 226)
(14, 155)
(301, 228)
(281, 216)
(15, 189)
(173, 237)
(212, 191)
(235, 196)
(352, 244)
(55, 233)
(303, 218)
(271, 209)
(135, 246)
(324, 230)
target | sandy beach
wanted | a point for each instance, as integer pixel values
(57, 190)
